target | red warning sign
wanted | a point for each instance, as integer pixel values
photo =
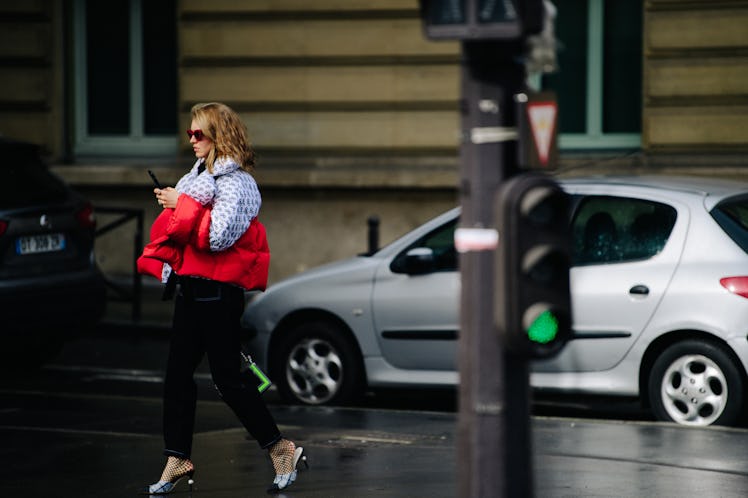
(542, 116)
(538, 131)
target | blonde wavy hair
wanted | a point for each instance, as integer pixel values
(222, 125)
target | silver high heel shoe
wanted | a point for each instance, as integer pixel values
(285, 457)
(175, 470)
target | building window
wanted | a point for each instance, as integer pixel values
(599, 82)
(125, 77)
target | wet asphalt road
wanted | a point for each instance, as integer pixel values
(129, 360)
(89, 425)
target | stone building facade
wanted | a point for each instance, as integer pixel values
(352, 111)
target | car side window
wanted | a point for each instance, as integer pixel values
(442, 242)
(609, 229)
(732, 215)
(431, 253)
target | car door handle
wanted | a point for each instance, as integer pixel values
(639, 290)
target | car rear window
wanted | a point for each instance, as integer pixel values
(609, 229)
(732, 216)
(26, 180)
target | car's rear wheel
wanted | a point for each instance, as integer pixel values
(696, 383)
(316, 364)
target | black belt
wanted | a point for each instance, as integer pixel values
(203, 289)
(196, 288)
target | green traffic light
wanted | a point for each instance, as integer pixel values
(544, 328)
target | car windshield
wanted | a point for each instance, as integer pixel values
(26, 180)
(732, 216)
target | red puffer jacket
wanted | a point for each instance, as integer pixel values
(181, 237)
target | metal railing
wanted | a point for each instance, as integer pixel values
(136, 292)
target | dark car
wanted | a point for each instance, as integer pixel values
(50, 285)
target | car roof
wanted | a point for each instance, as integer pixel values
(713, 190)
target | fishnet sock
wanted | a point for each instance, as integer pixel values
(176, 468)
(282, 454)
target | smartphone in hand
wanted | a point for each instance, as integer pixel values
(155, 180)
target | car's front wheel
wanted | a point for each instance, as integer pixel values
(316, 363)
(696, 383)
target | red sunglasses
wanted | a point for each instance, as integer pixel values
(198, 134)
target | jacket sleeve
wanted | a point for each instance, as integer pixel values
(185, 219)
(160, 249)
(260, 269)
(236, 203)
(150, 266)
(202, 235)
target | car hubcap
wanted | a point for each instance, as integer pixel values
(694, 390)
(314, 371)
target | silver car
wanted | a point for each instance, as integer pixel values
(660, 306)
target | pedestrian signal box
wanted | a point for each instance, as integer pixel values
(481, 19)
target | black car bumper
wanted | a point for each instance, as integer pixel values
(69, 302)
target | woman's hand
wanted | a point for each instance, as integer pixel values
(166, 197)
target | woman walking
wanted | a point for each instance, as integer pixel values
(208, 241)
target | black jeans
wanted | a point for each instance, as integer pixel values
(206, 321)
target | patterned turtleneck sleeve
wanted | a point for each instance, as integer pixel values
(231, 193)
(236, 204)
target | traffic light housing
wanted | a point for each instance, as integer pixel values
(481, 19)
(533, 302)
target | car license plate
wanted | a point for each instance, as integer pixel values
(40, 243)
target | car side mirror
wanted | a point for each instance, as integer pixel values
(416, 261)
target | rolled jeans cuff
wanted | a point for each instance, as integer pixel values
(272, 442)
(177, 454)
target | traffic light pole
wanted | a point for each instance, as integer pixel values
(494, 449)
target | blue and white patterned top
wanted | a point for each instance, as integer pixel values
(231, 191)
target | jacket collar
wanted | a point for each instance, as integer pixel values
(221, 166)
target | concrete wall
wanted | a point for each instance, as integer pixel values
(353, 112)
(695, 76)
(323, 79)
(31, 61)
